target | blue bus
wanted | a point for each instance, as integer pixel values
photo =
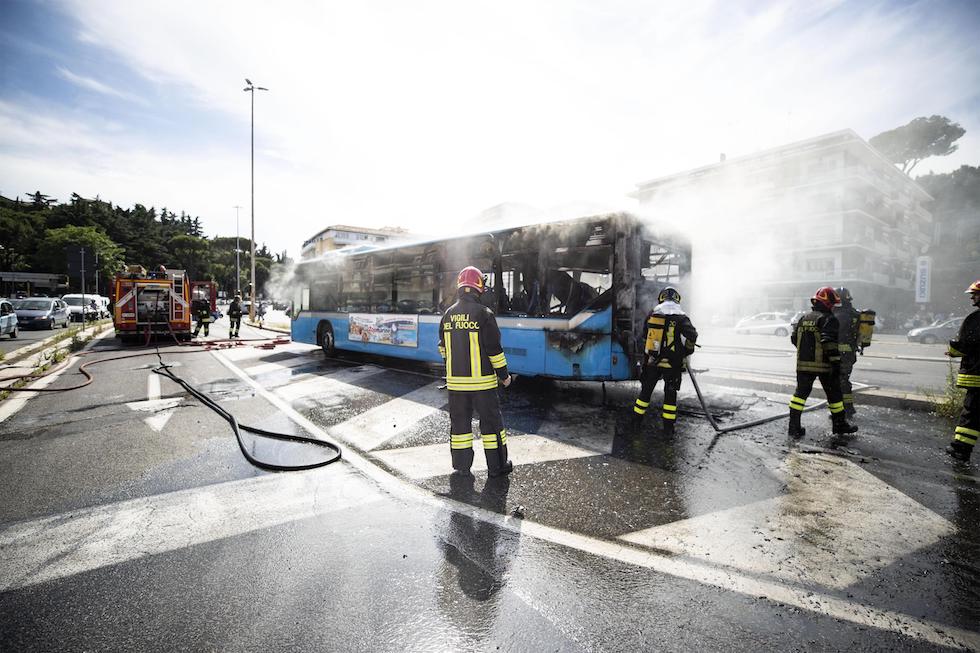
(570, 297)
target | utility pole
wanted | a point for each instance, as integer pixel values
(251, 88)
(81, 250)
(238, 249)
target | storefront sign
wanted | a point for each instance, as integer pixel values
(923, 279)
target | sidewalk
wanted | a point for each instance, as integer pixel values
(26, 362)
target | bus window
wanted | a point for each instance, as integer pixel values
(325, 293)
(576, 277)
(355, 285)
(415, 282)
(382, 284)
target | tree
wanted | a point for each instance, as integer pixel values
(50, 255)
(920, 139)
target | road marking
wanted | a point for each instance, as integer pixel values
(64, 545)
(375, 426)
(339, 382)
(835, 524)
(152, 386)
(267, 368)
(433, 460)
(716, 576)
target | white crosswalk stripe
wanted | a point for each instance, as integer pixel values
(339, 382)
(278, 366)
(433, 460)
(63, 545)
(374, 427)
(807, 535)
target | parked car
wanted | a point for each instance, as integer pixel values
(776, 324)
(938, 331)
(75, 308)
(41, 313)
(8, 319)
(105, 307)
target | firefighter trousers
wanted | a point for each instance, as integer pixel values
(847, 361)
(486, 404)
(235, 323)
(831, 387)
(205, 324)
(672, 385)
(968, 429)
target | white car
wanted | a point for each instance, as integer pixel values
(75, 306)
(775, 324)
(8, 319)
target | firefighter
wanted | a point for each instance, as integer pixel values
(669, 339)
(848, 344)
(967, 347)
(235, 315)
(202, 312)
(469, 342)
(815, 336)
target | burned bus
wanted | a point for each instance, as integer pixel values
(570, 297)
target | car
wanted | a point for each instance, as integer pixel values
(772, 323)
(75, 306)
(41, 313)
(8, 319)
(938, 331)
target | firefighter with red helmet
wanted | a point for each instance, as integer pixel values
(669, 338)
(967, 348)
(815, 336)
(848, 344)
(469, 342)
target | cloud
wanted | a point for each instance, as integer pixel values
(426, 113)
(90, 84)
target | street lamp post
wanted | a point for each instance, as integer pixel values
(251, 88)
(238, 249)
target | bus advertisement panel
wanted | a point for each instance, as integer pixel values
(384, 329)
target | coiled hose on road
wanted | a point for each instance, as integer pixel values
(165, 370)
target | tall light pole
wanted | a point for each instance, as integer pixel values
(251, 88)
(238, 249)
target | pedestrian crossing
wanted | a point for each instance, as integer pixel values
(407, 434)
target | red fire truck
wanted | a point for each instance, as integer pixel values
(157, 302)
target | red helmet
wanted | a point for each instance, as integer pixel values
(470, 277)
(827, 297)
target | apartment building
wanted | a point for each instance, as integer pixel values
(337, 236)
(771, 227)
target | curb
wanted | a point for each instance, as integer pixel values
(33, 348)
(267, 328)
(870, 397)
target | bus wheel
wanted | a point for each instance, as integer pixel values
(325, 338)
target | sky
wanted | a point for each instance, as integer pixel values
(423, 114)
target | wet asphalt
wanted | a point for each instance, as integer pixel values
(397, 572)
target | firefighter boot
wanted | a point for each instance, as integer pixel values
(841, 425)
(959, 450)
(668, 426)
(462, 459)
(849, 410)
(795, 428)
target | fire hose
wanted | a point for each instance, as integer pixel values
(165, 370)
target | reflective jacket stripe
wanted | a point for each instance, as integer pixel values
(968, 380)
(475, 364)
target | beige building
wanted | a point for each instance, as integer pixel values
(339, 235)
(769, 228)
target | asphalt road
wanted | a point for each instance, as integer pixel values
(129, 520)
(891, 362)
(25, 337)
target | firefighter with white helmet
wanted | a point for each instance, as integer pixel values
(669, 338)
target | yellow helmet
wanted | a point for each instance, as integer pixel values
(974, 287)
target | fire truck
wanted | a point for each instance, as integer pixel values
(158, 302)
